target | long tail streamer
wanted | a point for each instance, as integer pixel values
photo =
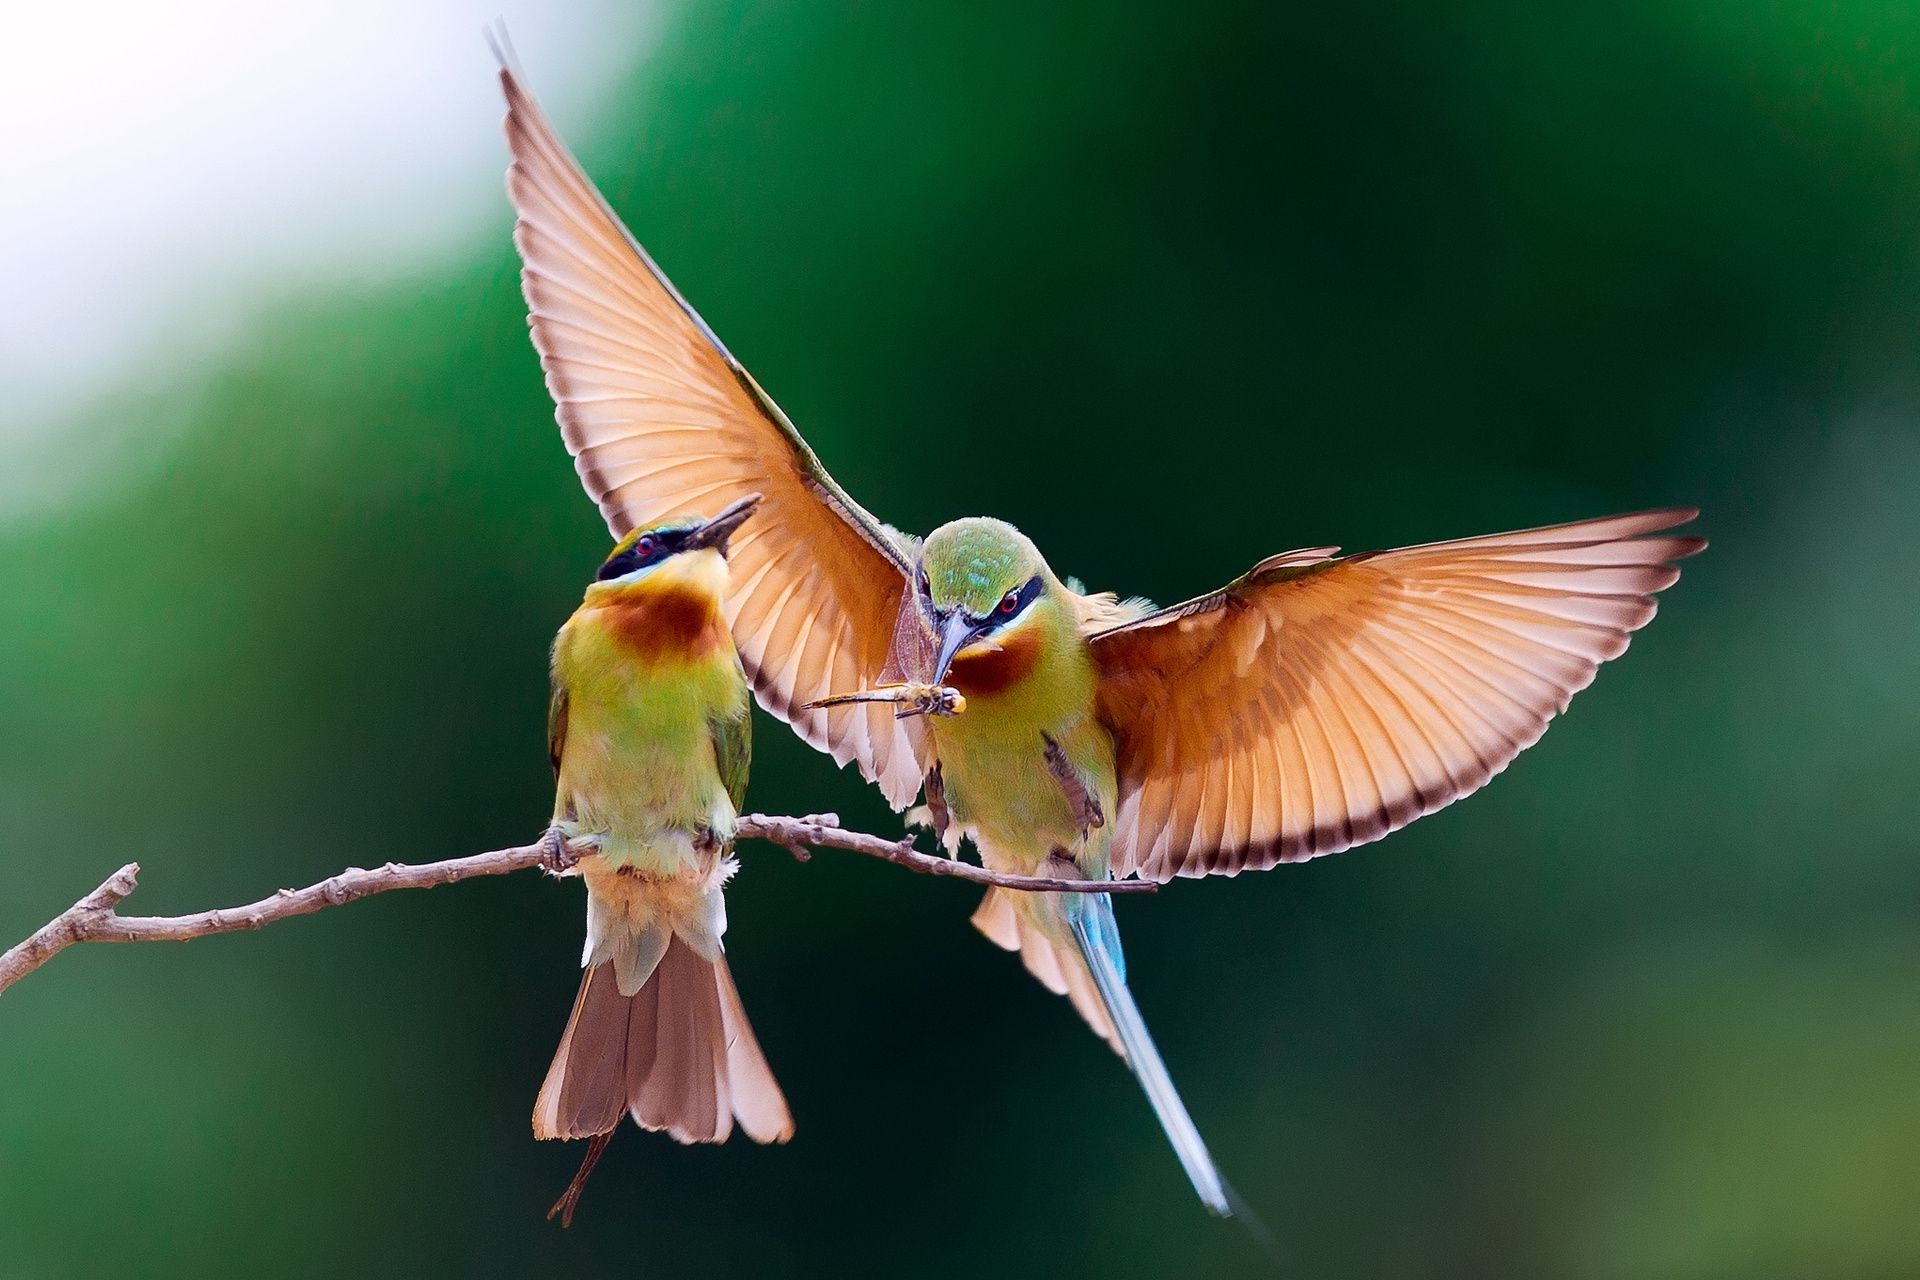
(1099, 937)
(1091, 915)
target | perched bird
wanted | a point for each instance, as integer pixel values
(1313, 704)
(649, 732)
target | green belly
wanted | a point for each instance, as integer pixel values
(998, 785)
(638, 774)
(642, 786)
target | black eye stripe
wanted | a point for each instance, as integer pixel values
(1024, 597)
(665, 543)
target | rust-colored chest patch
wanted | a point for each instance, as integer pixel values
(995, 671)
(671, 621)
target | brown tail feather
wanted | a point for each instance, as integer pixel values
(677, 1055)
(757, 1101)
(1058, 965)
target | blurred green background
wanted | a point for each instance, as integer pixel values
(1173, 287)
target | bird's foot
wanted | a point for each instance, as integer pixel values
(570, 1199)
(1086, 806)
(560, 857)
(935, 785)
(923, 818)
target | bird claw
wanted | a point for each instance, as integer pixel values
(1085, 805)
(570, 1200)
(560, 857)
(923, 818)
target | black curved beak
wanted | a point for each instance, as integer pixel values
(955, 630)
(715, 532)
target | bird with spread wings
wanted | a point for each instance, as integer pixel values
(1315, 703)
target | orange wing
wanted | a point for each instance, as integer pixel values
(660, 419)
(1316, 704)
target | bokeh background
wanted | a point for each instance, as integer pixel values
(285, 529)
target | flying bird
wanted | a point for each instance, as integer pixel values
(1315, 703)
(650, 736)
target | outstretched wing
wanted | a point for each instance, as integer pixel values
(1316, 704)
(661, 419)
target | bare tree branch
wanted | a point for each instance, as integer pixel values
(96, 918)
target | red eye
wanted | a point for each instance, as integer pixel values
(646, 545)
(1009, 602)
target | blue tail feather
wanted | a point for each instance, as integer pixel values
(1091, 916)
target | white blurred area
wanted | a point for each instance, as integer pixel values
(171, 164)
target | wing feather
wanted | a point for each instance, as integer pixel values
(1316, 704)
(661, 419)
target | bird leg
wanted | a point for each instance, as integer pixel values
(560, 855)
(937, 810)
(934, 815)
(570, 1199)
(1086, 808)
(914, 699)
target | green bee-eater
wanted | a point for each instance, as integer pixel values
(649, 733)
(1313, 704)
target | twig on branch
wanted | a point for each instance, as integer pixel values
(95, 917)
(823, 831)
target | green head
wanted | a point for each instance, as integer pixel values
(977, 577)
(652, 545)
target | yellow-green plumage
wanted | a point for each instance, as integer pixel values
(1030, 682)
(649, 733)
(1028, 772)
(656, 701)
(642, 710)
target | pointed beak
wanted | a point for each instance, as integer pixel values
(715, 532)
(955, 631)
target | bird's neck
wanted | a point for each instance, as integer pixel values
(1038, 675)
(994, 756)
(670, 614)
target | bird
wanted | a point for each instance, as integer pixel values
(1315, 703)
(650, 736)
